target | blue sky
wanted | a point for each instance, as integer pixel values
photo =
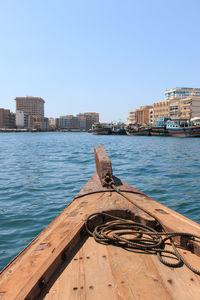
(104, 56)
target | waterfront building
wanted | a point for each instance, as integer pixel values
(160, 109)
(7, 118)
(12, 120)
(82, 123)
(190, 107)
(142, 114)
(38, 123)
(59, 123)
(174, 107)
(181, 92)
(52, 123)
(90, 119)
(132, 117)
(69, 122)
(21, 119)
(30, 105)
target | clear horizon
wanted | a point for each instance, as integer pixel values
(107, 57)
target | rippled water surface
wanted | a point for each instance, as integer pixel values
(42, 172)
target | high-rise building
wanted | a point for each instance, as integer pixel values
(33, 106)
(181, 92)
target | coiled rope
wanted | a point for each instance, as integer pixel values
(135, 236)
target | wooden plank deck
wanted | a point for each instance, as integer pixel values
(108, 272)
(62, 263)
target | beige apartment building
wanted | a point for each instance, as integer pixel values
(190, 107)
(142, 114)
(160, 109)
(132, 117)
(30, 105)
(174, 107)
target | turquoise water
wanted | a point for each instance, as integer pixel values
(42, 172)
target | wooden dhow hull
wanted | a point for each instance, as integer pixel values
(185, 131)
(159, 131)
(64, 262)
(145, 132)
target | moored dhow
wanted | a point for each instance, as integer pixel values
(111, 242)
(135, 129)
(178, 129)
(101, 129)
(159, 128)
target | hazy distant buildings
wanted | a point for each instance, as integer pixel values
(90, 118)
(30, 116)
(21, 119)
(38, 123)
(30, 113)
(69, 122)
(7, 118)
(80, 122)
(30, 105)
(52, 123)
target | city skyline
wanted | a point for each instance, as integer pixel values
(108, 56)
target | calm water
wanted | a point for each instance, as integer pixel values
(42, 172)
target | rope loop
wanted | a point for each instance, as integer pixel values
(138, 238)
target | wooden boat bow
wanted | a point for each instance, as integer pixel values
(64, 262)
(103, 178)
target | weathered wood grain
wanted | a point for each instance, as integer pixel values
(52, 267)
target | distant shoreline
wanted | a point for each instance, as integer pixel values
(32, 131)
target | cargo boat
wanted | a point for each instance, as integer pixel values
(175, 129)
(118, 129)
(101, 129)
(133, 129)
(105, 245)
(159, 128)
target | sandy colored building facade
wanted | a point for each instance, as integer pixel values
(33, 109)
(190, 107)
(142, 115)
(30, 105)
(132, 117)
(160, 109)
